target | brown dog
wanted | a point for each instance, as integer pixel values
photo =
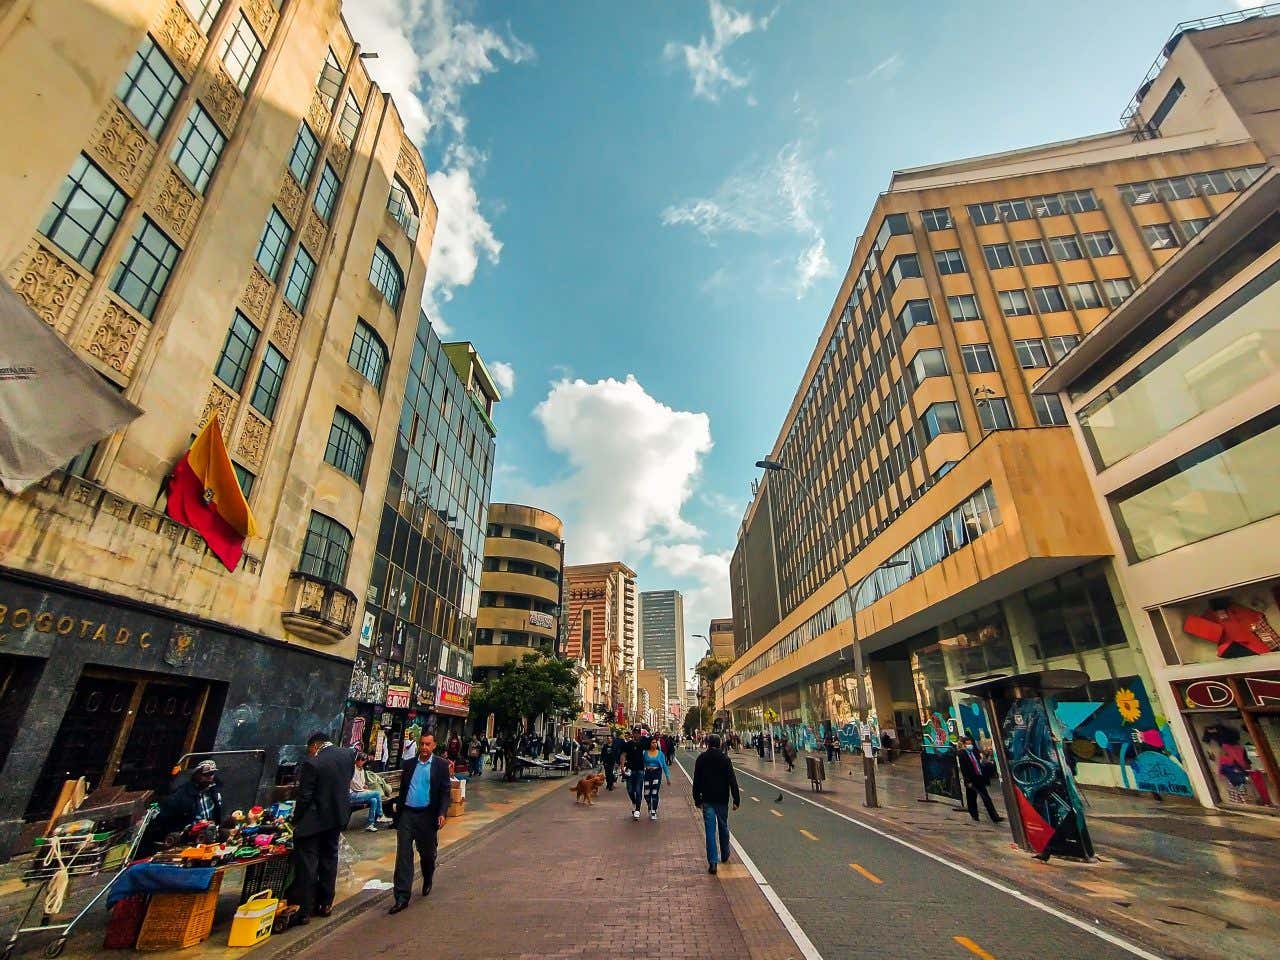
(587, 788)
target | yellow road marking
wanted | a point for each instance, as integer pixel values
(973, 948)
(775, 813)
(866, 873)
(808, 834)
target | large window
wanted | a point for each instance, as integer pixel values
(1060, 346)
(141, 276)
(275, 237)
(998, 255)
(1117, 291)
(1049, 299)
(927, 363)
(1100, 244)
(978, 357)
(907, 265)
(326, 550)
(1219, 486)
(1014, 303)
(301, 273)
(203, 12)
(1160, 236)
(326, 193)
(1030, 252)
(150, 87)
(368, 354)
(949, 261)
(303, 156)
(1084, 296)
(233, 363)
(1031, 353)
(963, 306)
(349, 121)
(266, 393)
(1066, 248)
(384, 273)
(241, 50)
(84, 213)
(348, 445)
(1194, 184)
(330, 81)
(1049, 412)
(940, 418)
(400, 203)
(993, 413)
(937, 219)
(198, 147)
(914, 312)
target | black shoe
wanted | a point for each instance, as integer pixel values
(398, 906)
(426, 888)
(325, 911)
(711, 868)
(976, 820)
(300, 920)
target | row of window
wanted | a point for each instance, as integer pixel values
(1049, 205)
(1050, 299)
(1213, 182)
(1163, 236)
(1029, 252)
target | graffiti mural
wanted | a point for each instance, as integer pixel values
(1051, 807)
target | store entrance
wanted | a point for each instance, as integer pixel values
(121, 729)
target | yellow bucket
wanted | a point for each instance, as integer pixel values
(253, 920)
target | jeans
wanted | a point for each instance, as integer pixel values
(635, 787)
(715, 817)
(375, 802)
(477, 765)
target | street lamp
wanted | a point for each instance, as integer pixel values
(851, 594)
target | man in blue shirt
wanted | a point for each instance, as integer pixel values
(424, 798)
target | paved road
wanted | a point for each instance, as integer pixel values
(857, 893)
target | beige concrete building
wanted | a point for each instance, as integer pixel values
(215, 206)
(521, 587)
(916, 455)
(720, 638)
(655, 689)
(600, 602)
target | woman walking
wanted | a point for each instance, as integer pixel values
(655, 769)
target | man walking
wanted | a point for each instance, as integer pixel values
(320, 814)
(424, 798)
(976, 780)
(633, 747)
(609, 760)
(713, 782)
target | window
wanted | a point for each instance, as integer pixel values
(270, 380)
(326, 549)
(1166, 103)
(983, 213)
(949, 261)
(914, 312)
(400, 203)
(1159, 236)
(349, 122)
(326, 193)
(240, 52)
(1059, 347)
(903, 267)
(998, 255)
(303, 157)
(348, 445)
(1049, 299)
(939, 418)
(1065, 248)
(1117, 291)
(299, 284)
(925, 364)
(1030, 252)
(84, 213)
(203, 12)
(198, 147)
(141, 276)
(963, 306)
(1100, 244)
(330, 81)
(1193, 227)
(978, 357)
(384, 273)
(150, 87)
(1202, 184)
(993, 413)
(368, 354)
(275, 237)
(937, 219)
(1031, 354)
(244, 478)
(1049, 412)
(1014, 303)
(1084, 296)
(893, 225)
(233, 364)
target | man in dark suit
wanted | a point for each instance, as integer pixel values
(424, 799)
(976, 780)
(320, 813)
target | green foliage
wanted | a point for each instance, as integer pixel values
(698, 718)
(710, 669)
(537, 684)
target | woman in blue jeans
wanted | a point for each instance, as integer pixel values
(655, 768)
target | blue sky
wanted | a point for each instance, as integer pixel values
(646, 208)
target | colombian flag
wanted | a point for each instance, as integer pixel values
(205, 496)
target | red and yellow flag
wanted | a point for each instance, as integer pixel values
(205, 496)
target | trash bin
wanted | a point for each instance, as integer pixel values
(817, 769)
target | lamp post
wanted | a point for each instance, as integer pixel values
(851, 594)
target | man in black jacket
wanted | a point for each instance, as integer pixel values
(632, 756)
(320, 814)
(976, 780)
(609, 760)
(424, 800)
(713, 782)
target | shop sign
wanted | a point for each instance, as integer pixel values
(398, 696)
(1217, 694)
(65, 625)
(543, 620)
(453, 696)
(366, 629)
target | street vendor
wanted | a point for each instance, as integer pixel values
(200, 798)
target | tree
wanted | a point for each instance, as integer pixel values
(537, 684)
(710, 669)
(698, 718)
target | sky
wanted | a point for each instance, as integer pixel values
(646, 210)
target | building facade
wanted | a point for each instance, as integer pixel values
(223, 214)
(662, 637)
(600, 604)
(655, 691)
(521, 587)
(418, 633)
(720, 638)
(917, 456)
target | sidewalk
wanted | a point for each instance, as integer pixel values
(1189, 882)
(364, 858)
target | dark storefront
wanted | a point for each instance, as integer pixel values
(97, 686)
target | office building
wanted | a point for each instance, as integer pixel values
(662, 637)
(720, 637)
(600, 603)
(655, 694)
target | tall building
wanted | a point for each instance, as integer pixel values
(413, 668)
(655, 694)
(520, 589)
(600, 605)
(916, 456)
(662, 637)
(215, 206)
(720, 638)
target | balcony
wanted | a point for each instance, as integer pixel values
(317, 610)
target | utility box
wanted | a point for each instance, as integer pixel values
(817, 769)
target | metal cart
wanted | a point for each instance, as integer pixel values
(82, 857)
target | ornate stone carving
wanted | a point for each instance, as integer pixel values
(290, 199)
(318, 115)
(121, 146)
(116, 337)
(410, 167)
(222, 402)
(313, 234)
(181, 39)
(256, 296)
(52, 288)
(177, 206)
(285, 332)
(252, 447)
(262, 14)
(221, 97)
(340, 154)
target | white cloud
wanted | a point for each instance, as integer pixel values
(463, 235)
(780, 196)
(889, 66)
(504, 375)
(722, 504)
(705, 62)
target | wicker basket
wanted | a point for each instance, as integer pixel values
(177, 920)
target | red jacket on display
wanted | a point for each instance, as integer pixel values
(1238, 631)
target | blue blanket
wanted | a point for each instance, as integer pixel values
(160, 878)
